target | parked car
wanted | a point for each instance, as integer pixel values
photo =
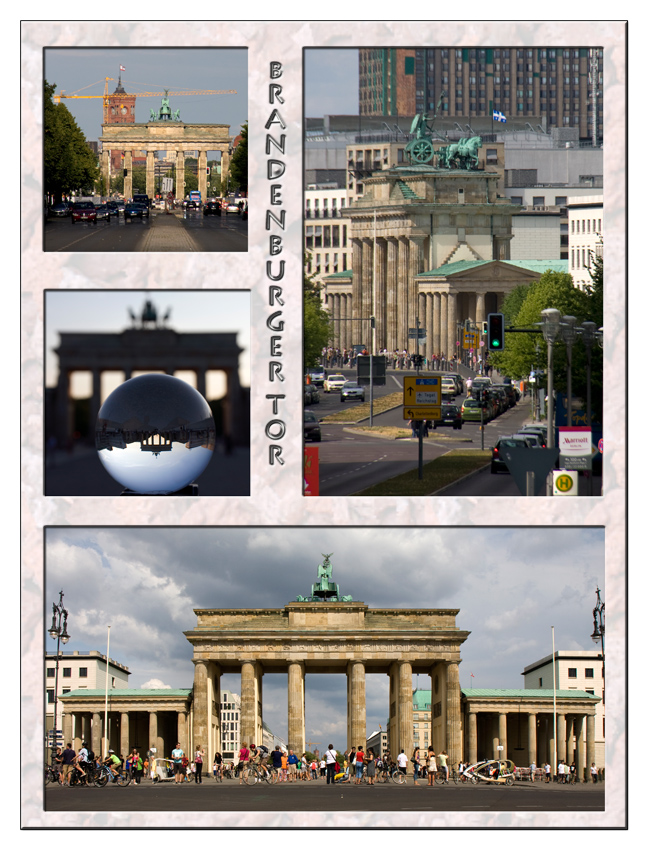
(450, 415)
(334, 382)
(132, 211)
(84, 211)
(312, 430)
(314, 393)
(514, 441)
(351, 390)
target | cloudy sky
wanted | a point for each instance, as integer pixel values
(82, 71)
(511, 586)
(108, 311)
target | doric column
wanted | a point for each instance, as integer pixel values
(356, 291)
(415, 258)
(480, 309)
(124, 733)
(569, 739)
(154, 742)
(201, 381)
(402, 305)
(429, 327)
(128, 175)
(225, 161)
(533, 738)
(562, 733)
(591, 743)
(356, 705)
(472, 736)
(105, 168)
(182, 729)
(202, 719)
(333, 307)
(437, 311)
(344, 325)
(443, 324)
(202, 174)
(367, 291)
(452, 325)
(381, 295)
(422, 317)
(453, 713)
(95, 401)
(392, 293)
(405, 709)
(503, 737)
(150, 173)
(296, 707)
(95, 734)
(251, 702)
(180, 175)
(579, 732)
(63, 406)
(66, 727)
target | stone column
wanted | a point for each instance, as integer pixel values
(66, 727)
(201, 381)
(569, 739)
(251, 712)
(202, 174)
(356, 705)
(562, 734)
(225, 163)
(429, 327)
(443, 325)
(128, 171)
(182, 730)
(95, 401)
(63, 406)
(180, 176)
(472, 736)
(480, 309)
(402, 341)
(357, 279)
(201, 703)
(153, 734)
(452, 325)
(391, 294)
(344, 325)
(296, 707)
(150, 173)
(367, 292)
(533, 738)
(381, 295)
(415, 259)
(105, 168)
(503, 737)
(579, 732)
(590, 744)
(124, 733)
(405, 710)
(437, 310)
(422, 317)
(95, 734)
(453, 713)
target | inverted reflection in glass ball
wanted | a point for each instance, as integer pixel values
(155, 434)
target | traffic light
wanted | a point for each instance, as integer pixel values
(496, 332)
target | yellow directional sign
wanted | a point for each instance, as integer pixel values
(469, 340)
(416, 412)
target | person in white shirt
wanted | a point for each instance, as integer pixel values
(401, 760)
(331, 758)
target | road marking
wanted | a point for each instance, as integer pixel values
(397, 382)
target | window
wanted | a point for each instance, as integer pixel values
(83, 672)
(51, 672)
(67, 672)
(572, 672)
(540, 682)
(589, 672)
(50, 696)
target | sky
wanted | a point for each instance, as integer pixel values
(83, 71)
(331, 82)
(108, 311)
(510, 584)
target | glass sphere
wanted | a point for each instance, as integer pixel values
(155, 434)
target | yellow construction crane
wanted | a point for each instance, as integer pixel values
(107, 96)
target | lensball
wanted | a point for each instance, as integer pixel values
(155, 434)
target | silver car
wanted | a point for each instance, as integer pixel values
(351, 390)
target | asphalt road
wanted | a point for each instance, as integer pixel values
(316, 796)
(177, 232)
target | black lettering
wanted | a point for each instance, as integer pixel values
(275, 294)
(275, 91)
(282, 266)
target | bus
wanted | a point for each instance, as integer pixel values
(194, 195)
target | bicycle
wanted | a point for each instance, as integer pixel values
(52, 774)
(255, 773)
(398, 777)
(105, 775)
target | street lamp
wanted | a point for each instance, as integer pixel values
(58, 632)
(550, 331)
(599, 628)
(569, 333)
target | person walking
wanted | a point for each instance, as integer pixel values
(137, 767)
(331, 758)
(359, 765)
(292, 766)
(432, 766)
(371, 767)
(416, 762)
(177, 755)
(443, 764)
(198, 761)
(594, 773)
(67, 763)
(244, 760)
(401, 761)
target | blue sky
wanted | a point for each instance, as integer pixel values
(510, 584)
(83, 70)
(330, 82)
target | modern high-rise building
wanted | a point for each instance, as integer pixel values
(562, 87)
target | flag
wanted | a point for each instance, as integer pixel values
(121, 68)
(499, 116)
(472, 675)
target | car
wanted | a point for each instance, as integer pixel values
(61, 210)
(539, 431)
(113, 206)
(132, 211)
(191, 205)
(449, 388)
(317, 377)
(535, 441)
(352, 389)
(312, 430)
(315, 396)
(456, 382)
(103, 212)
(512, 441)
(471, 410)
(231, 207)
(480, 383)
(142, 199)
(211, 208)
(334, 382)
(84, 211)
(450, 415)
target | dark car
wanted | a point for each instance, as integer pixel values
(135, 211)
(450, 415)
(212, 208)
(312, 430)
(84, 211)
(104, 212)
(114, 207)
(142, 199)
(514, 441)
(60, 210)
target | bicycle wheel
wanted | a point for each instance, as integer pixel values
(440, 779)
(455, 777)
(273, 777)
(124, 779)
(250, 776)
(474, 780)
(398, 777)
(48, 776)
(101, 778)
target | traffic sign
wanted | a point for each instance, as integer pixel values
(565, 482)
(421, 412)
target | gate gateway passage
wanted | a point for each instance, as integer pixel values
(328, 633)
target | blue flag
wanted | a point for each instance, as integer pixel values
(499, 116)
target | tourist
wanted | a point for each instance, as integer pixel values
(443, 764)
(532, 768)
(371, 767)
(244, 761)
(594, 773)
(284, 767)
(416, 762)
(67, 762)
(198, 761)
(359, 765)
(402, 760)
(177, 755)
(292, 766)
(432, 766)
(331, 758)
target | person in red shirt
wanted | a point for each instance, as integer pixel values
(359, 765)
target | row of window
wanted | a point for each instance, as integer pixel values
(326, 236)
(593, 225)
(82, 672)
(331, 265)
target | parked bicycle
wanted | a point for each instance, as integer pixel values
(52, 774)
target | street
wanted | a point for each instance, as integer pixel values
(317, 796)
(179, 231)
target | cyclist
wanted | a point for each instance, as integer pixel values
(258, 756)
(113, 762)
(218, 767)
(82, 760)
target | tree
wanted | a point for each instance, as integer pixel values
(239, 164)
(69, 164)
(317, 323)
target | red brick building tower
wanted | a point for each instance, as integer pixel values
(119, 108)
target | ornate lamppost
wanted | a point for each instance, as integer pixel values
(599, 628)
(58, 632)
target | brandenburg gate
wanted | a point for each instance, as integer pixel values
(327, 633)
